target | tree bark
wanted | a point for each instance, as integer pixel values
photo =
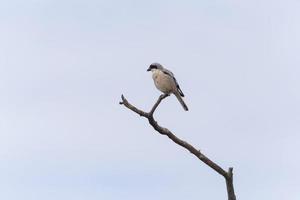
(228, 175)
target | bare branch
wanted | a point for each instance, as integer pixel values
(161, 97)
(164, 131)
(229, 185)
(133, 108)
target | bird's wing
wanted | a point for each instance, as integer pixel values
(169, 73)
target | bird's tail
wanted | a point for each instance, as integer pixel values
(181, 101)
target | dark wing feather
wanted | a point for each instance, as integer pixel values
(169, 73)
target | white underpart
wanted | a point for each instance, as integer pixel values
(163, 82)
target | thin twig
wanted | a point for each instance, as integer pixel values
(161, 97)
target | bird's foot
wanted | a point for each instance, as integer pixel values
(162, 96)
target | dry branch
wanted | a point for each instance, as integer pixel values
(228, 175)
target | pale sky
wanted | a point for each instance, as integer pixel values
(64, 65)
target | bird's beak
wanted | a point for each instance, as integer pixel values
(148, 69)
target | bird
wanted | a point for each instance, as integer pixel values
(165, 81)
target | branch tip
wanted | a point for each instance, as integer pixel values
(230, 171)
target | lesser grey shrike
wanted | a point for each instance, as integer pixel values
(165, 81)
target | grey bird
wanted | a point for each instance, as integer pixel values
(165, 81)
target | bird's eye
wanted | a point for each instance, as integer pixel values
(153, 67)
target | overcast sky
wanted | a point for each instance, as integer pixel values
(64, 65)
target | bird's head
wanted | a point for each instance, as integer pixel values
(154, 66)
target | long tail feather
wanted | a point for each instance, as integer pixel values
(181, 101)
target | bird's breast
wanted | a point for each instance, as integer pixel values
(162, 81)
